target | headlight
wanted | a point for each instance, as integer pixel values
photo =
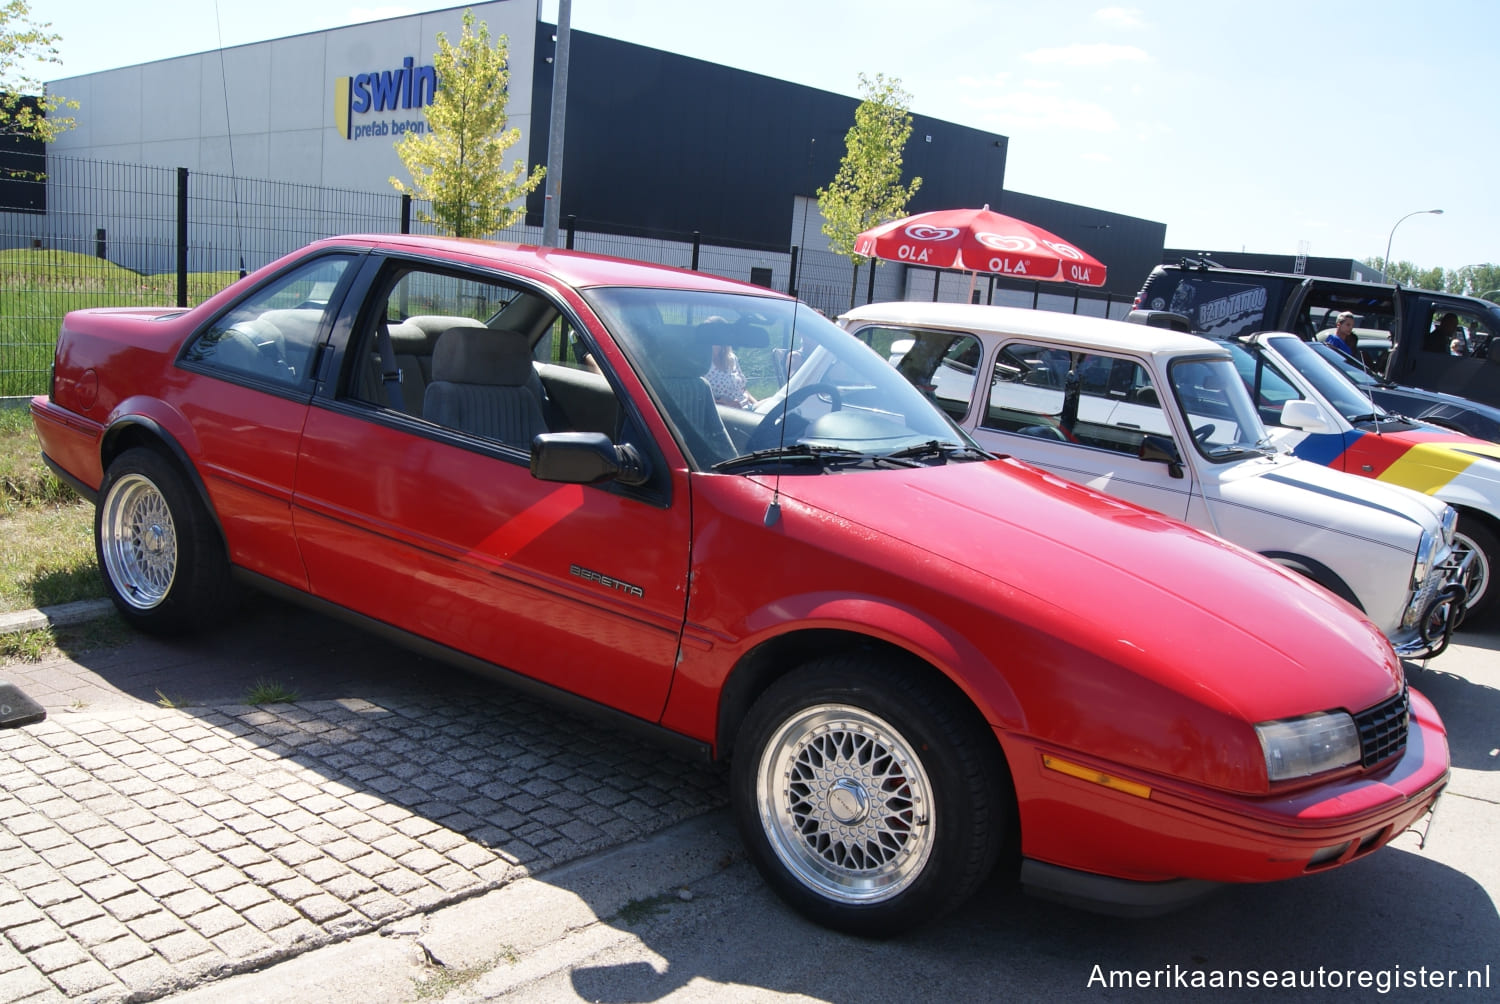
(1300, 747)
(1426, 550)
(1450, 523)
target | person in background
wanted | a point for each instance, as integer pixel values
(1342, 337)
(727, 379)
(1440, 338)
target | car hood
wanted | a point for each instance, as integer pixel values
(1334, 501)
(1189, 610)
(1453, 467)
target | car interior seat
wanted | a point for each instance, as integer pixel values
(682, 360)
(479, 386)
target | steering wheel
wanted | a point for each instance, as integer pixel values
(768, 433)
(1201, 434)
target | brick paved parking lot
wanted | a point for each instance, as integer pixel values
(145, 848)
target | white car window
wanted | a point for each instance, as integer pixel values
(1093, 400)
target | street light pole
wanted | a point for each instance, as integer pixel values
(1387, 259)
(552, 200)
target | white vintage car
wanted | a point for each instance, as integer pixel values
(1162, 419)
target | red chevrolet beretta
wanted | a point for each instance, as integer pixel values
(619, 483)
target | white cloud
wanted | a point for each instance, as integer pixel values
(1008, 109)
(1093, 54)
(1119, 17)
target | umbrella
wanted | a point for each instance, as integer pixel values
(978, 240)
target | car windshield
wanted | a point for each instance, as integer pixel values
(1218, 409)
(1356, 373)
(1337, 389)
(751, 382)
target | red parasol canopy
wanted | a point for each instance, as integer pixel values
(978, 240)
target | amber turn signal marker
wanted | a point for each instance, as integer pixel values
(1088, 774)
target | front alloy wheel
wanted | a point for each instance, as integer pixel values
(846, 804)
(869, 792)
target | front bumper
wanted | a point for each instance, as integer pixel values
(1114, 849)
(1439, 609)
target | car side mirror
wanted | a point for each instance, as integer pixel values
(585, 458)
(1305, 415)
(17, 708)
(1161, 450)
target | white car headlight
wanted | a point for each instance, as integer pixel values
(1426, 551)
(1300, 747)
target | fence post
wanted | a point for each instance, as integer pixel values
(182, 236)
(572, 223)
(697, 243)
(937, 284)
(99, 243)
(791, 279)
(406, 212)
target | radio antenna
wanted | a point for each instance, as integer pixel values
(773, 511)
(234, 180)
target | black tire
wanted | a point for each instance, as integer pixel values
(160, 553)
(1484, 595)
(870, 800)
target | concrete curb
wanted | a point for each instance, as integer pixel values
(57, 616)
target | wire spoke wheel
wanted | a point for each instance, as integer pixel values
(846, 804)
(1479, 578)
(139, 542)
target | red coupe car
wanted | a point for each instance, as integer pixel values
(920, 659)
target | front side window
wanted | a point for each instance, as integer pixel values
(271, 336)
(1094, 400)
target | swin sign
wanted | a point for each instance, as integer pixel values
(405, 88)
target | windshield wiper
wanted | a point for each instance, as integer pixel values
(806, 453)
(942, 450)
(1375, 417)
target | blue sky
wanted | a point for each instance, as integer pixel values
(1254, 126)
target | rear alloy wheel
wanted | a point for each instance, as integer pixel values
(869, 801)
(159, 551)
(1476, 538)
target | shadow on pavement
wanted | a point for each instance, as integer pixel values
(1394, 912)
(513, 785)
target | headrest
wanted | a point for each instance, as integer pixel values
(489, 356)
(680, 352)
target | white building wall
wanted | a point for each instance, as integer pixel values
(268, 109)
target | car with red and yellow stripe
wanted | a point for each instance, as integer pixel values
(1315, 409)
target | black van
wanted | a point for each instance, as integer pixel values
(1452, 356)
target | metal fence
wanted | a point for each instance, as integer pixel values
(80, 233)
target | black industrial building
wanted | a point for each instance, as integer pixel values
(658, 143)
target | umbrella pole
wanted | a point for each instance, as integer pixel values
(970, 297)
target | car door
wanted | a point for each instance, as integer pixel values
(1084, 415)
(423, 515)
(1448, 362)
(258, 358)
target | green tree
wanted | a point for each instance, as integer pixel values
(867, 189)
(1408, 274)
(458, 163)
(24, 109)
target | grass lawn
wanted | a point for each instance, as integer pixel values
(46, 530)
(39, 286)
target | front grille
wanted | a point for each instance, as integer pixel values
(1382, 729)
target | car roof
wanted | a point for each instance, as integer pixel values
(578, 269)
(1095, 332)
